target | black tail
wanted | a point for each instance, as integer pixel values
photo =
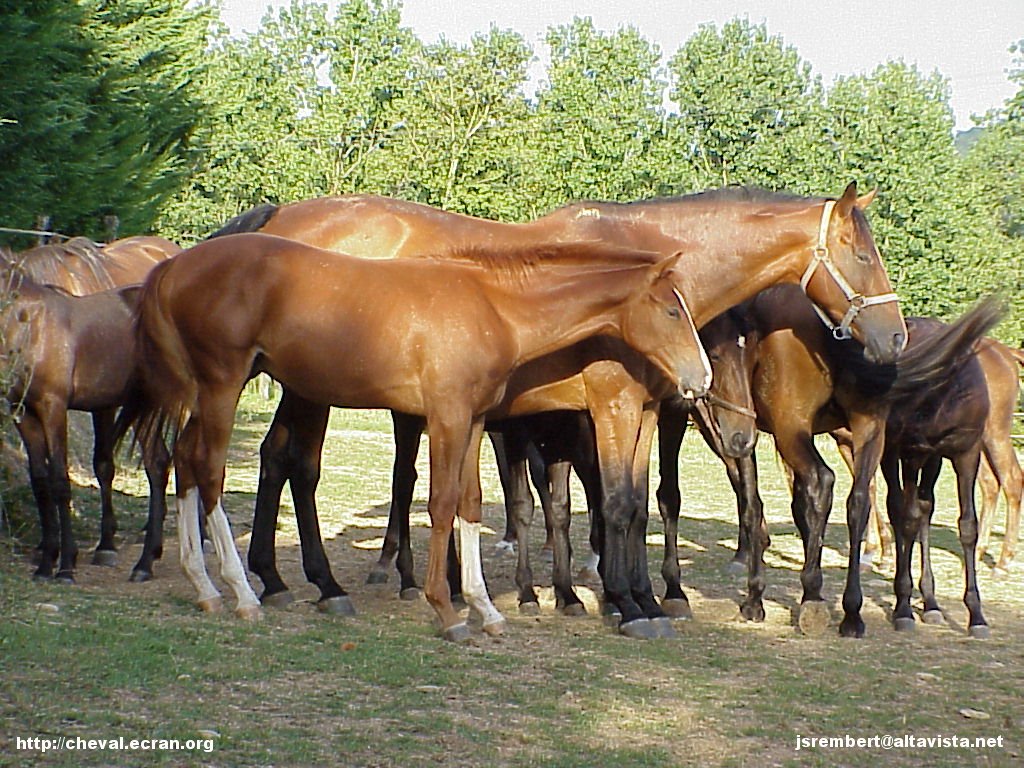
(250, 221)
(930, 358)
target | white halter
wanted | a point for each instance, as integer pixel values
(824, 258)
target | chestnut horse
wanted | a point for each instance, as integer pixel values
(736, 242)
(805, 383)
(81, 267)
(433, 338)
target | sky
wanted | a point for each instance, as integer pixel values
(966, 41)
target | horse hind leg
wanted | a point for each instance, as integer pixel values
(1007, 476)
(103, 467)
(966, 466)
(157, 462)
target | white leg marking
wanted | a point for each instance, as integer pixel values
(231, 569)
(190, 546)
(473, 587)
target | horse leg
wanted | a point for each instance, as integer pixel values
(812, 502)
(507, 543)
(566, 599)
(926, 499)
(540, 470)
(989, 501)
(640, 579)
(34, 437)
(905, 514)
(1008, 476)
(305, 448)
(213, 433)
(966, 467)
(868, 441)
(157, 462)
(752, 521)
(55, 427)
(103, 467)
(519, 504)
(275, 467)
(470, 515)
(449, 434)
(671, 430)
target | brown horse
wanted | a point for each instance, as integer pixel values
(1000, 469)
(68, 352)
(805, 383)
(81, 267)
(434, 338)
(736, 242)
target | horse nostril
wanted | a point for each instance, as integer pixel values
(899, 341)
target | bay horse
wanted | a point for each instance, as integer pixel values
(81, 267)
(806, 382)
(436, 338)
(735, 241)
(67, 352)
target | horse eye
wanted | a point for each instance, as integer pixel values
(674, 313)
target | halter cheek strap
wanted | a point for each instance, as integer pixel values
(823, 258)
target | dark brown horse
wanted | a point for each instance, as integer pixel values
(947, 422)
(80, 267)
(433, 338)
(66, 352)
(806, 383)
(735, 242)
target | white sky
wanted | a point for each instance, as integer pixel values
(966, 40)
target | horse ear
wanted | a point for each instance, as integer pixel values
(865, 200)
(665, 266)
(845, 204)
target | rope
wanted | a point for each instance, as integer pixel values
(37, 232)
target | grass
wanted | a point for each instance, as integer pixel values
(107, 658)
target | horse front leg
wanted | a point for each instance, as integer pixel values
(753, 523)
(560, 518)
(966, 467)
(55, 426)
(103, 467)
(30, 427)
(671, 430)
(904, 514)
(868, 442)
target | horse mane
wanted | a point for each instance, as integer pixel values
(248, 221)
(51, 265)
(730, 194)
(516, 265)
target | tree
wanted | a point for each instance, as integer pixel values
(750, 112)
(97, 108)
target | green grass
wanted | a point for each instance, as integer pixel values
(106, 658)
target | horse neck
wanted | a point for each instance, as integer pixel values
(732, 252)
(552, 310)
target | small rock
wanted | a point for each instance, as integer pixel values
(974, 714)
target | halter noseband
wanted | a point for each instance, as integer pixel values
(857, 300)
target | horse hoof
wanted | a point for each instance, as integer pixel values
(105, 557)
(505, 548)
(409, 594)
(663, 627)
(530, 608)
(64, 577)
(611, 616)
(979, 631)
(281, 599)
(753, 612)
(458, 634)
(813, 617)
(211, 604)
(495, 628)
(138, 576)
(638, 629)
(934, 616)
(736, 568)
(42, 577)
(249, 612)
(677, 608)
(339, 605)
(904, 624)
(573, 609)
(377, 577)
(851, 628)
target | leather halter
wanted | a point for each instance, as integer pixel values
(721, 402)
(857, 300)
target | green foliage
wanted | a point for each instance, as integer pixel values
(97, 108)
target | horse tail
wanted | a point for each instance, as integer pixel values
(165, 391)
(252, 220)
(927, 366)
